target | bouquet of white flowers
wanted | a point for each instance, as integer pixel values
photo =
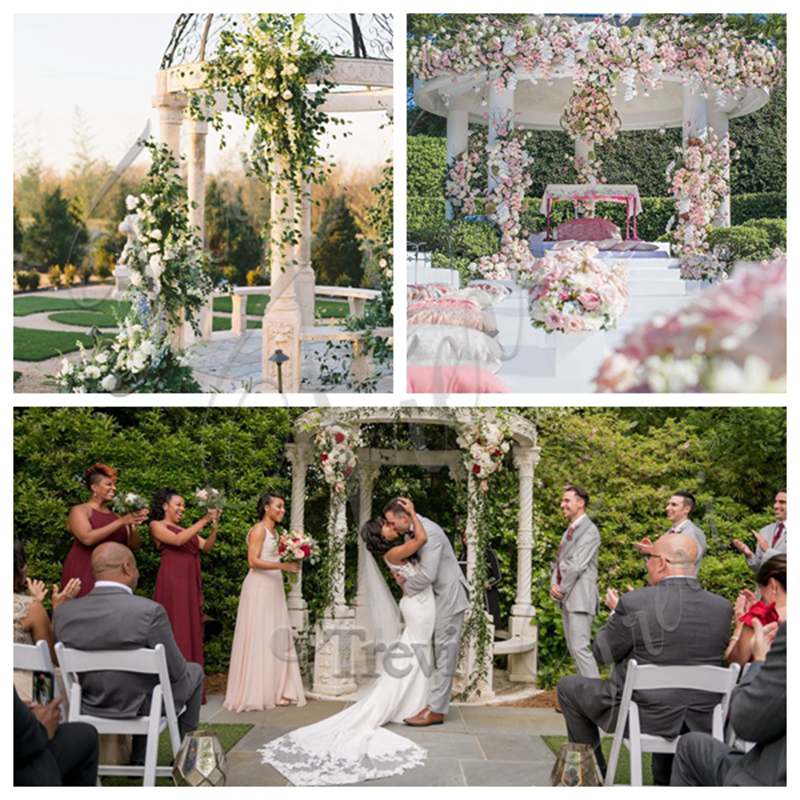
(209, 498)
(128, 503)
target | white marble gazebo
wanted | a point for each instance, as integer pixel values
(340, 653)
(538, 103)
(361, 84)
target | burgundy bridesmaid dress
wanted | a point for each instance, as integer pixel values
(78, 563)
(179, 588)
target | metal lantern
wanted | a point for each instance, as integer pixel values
(279, 358)
(200, 761)
(576, 766)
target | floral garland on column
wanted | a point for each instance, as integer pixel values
(698, 182)
(263, 71)
(169, 286)
(484, 439)
(465, 180)
(335, 449)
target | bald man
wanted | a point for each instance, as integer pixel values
(672, 621)
(112, 617)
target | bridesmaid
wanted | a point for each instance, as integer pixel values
(179, 585)
(93, 522)
(263, 670)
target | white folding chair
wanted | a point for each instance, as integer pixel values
(718, 680)
(162, 708)
(36, 658)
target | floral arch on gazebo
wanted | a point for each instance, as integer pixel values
(289, 77)
(332, 440)
(497, 78)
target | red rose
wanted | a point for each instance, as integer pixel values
(323, 457)
(476, 469)
(496, 453)
(306, 550)
(281, 548)
(338, 438)
(348, 471)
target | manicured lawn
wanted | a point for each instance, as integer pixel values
(256, 304)
(84, 319)
(37, 304)
(36, 345)
(623, 765)
(224, 323)
(228, 736)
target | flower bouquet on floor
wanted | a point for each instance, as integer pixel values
(732, 338)
(128, 503)
(209, 498)
(297, 546)
(571, 291)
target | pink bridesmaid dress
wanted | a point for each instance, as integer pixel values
(263, 667)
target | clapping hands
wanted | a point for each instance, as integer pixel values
(70, 591)
(645, 546)
(744, 602)
(763, 636)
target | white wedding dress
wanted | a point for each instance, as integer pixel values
(351, 746)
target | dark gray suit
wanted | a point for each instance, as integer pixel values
(438, 568)
(758, 714)
(109, 618)
(674, 622)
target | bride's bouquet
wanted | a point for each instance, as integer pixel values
(128, 503)
(209, 498)
(297, 546)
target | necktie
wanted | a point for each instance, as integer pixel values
(778, 533)
(566, 538)
(673, 530)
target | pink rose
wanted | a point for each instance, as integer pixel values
(589, 300)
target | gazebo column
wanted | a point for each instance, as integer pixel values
(718, 122)
(196, 190)
(300, 459)
(457, 141)
(522, 666)
(501, 114)
(334, 662)
(695, 112)
(305, 279)
(367, 473)
(282, 323)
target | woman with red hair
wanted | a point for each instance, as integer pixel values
(93, 522)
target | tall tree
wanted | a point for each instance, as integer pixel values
(57, 234)
(18, 232)
(335, 254)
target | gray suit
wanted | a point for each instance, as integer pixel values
(439, 569)
(674, 622)
(109, 618)
(758, 714)
(779, 548)
(577, 563)
(688, 528)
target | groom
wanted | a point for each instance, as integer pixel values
(437, 568)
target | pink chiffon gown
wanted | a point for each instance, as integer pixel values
(263, 667)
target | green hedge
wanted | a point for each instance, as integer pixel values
(426, 215)
(629, 460)
(774, 228)
(741, 243)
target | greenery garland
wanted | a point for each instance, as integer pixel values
(264, 71)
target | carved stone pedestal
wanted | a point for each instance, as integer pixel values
(334, 662)
(281, 331)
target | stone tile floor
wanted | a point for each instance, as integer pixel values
(476, 746)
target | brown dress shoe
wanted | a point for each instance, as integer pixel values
(424, 718)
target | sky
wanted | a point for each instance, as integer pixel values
(106, 66)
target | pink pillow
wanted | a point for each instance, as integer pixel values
(435, 314)
(453, 380)
(588, 229)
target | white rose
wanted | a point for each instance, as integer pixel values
(287, 95)
(155, 233)
(148, 348)
(109, 383)
(153, 247)
(92, 372)
(131, 201)
(101, 357)
(66, 367)
(136, 278)
(155, 267)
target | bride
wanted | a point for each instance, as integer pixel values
(351, 746)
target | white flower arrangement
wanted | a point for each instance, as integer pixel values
(484, 440)
(336, 454)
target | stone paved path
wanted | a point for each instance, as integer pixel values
(476, 746)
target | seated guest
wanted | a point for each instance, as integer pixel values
(672, 621)
(757, 713)
(47, 753)
(771, 580)
(771, 539)
(31, 622)
(111, 617)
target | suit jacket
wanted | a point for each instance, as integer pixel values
(779, 548)
(673, 622)
(578, 562)
(30, 736)
(758, 714)
(438, 568)
(108, 618)
(691, 530)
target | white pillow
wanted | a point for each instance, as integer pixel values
(448, 345)
(483, 299)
